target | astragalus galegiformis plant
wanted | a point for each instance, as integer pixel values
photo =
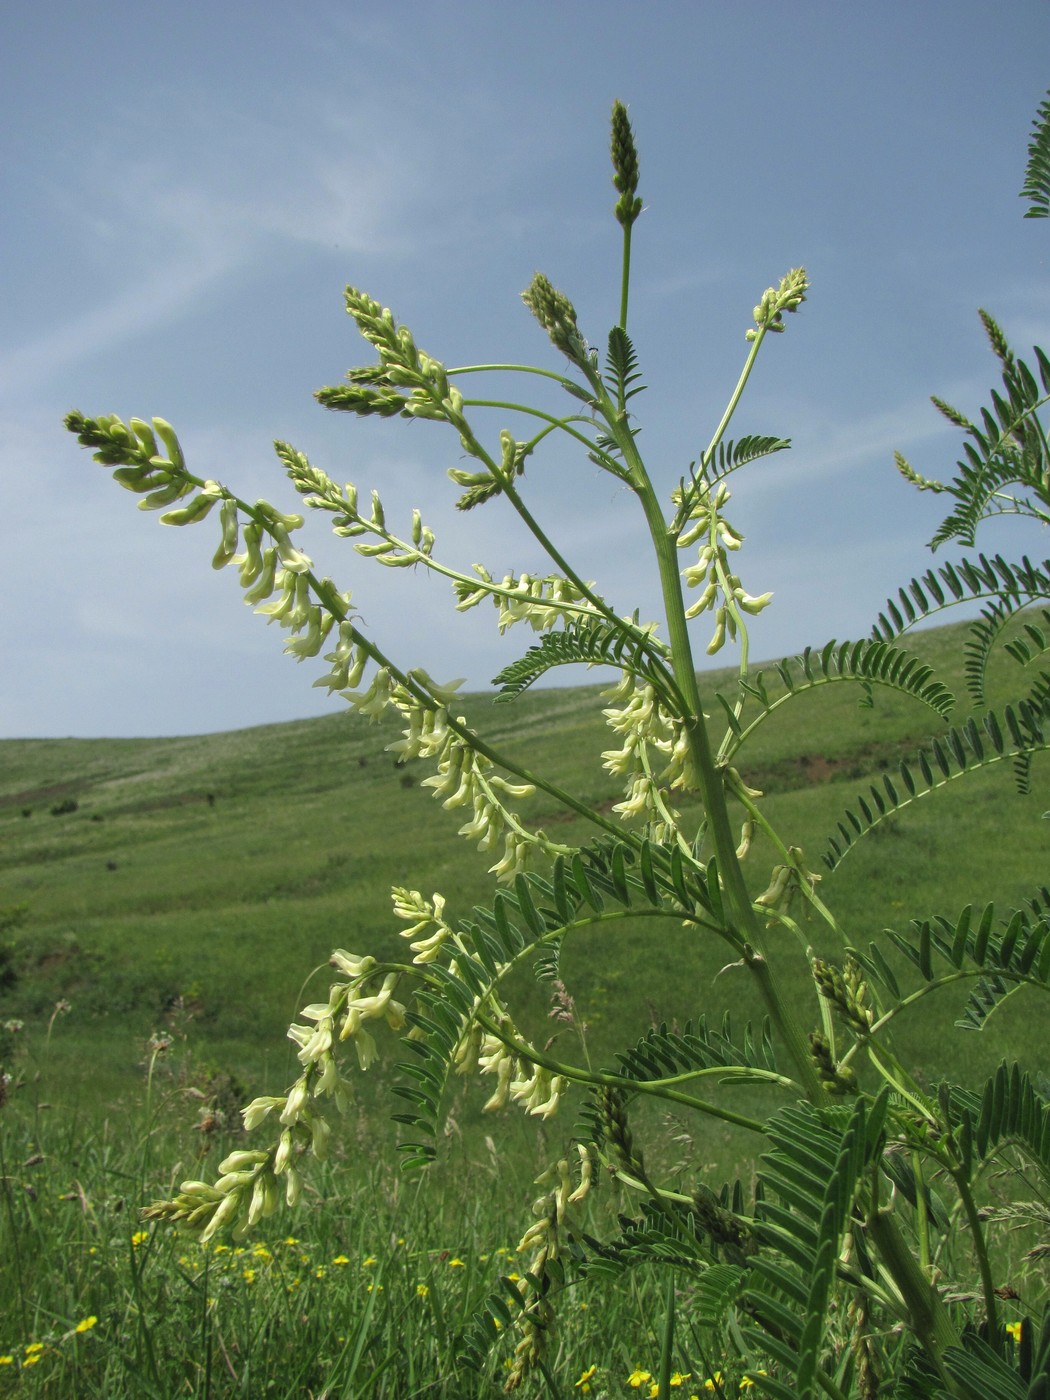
(824, 1275)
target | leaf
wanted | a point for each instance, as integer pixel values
(955, 753)
(586, 641)
(1036, 187)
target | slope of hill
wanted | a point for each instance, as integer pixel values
(198, 881)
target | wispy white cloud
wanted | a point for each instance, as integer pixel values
(181, 220)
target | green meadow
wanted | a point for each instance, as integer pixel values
(167, 904)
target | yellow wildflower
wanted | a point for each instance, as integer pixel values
(422, 1289)
(1013, 1329)
(638, 1378)
(341, 1259)
(85, 1324)
(139, 1237)
(584, 1383)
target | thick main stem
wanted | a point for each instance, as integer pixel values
(712, 790)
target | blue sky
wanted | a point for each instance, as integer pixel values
(187, 189)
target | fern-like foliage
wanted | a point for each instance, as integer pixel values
(1021, 730)
(810, 1177)
(869, 662)
(1010, 1110)
(584, 641)
(621, 363)
(969, 580)
(701, 1048)
(730, 456)
(1005, 468)
(671, 1232)
(999, 955)
(978, 1371)
(1036, 187)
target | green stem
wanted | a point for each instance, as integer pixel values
(610, 464)
(625, 279)
(980, 1247)
(712, 790)
(928, 1315)
(667, 1346)
(720, 431)
(578, 1075)
(922, 1214)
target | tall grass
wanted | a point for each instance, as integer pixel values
(363, 1298)
(176, 911)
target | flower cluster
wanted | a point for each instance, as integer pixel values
(707, 525)
(517, 1078)
(642, 724)
(789, 296)
(402, 365)
(541, 602)
(248, 1188)
(557, 315)
(35, 1352)
(542, 1242)
(464, 777)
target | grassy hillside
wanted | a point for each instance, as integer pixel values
(198, 882)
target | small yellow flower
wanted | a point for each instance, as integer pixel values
(249, 1275)
(714, 1382)
(85, 1324)
(7, 1360)
(638, 1378)
(422, 1290)
(680, 1376)
(584, 1383)
(375, 1287)
(34, 1348)
(367, 1263)
(341, 1259)
(456, 1264)
(139, 1237)
(1013, 1329)
(290, 1239)
(31, 1360)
